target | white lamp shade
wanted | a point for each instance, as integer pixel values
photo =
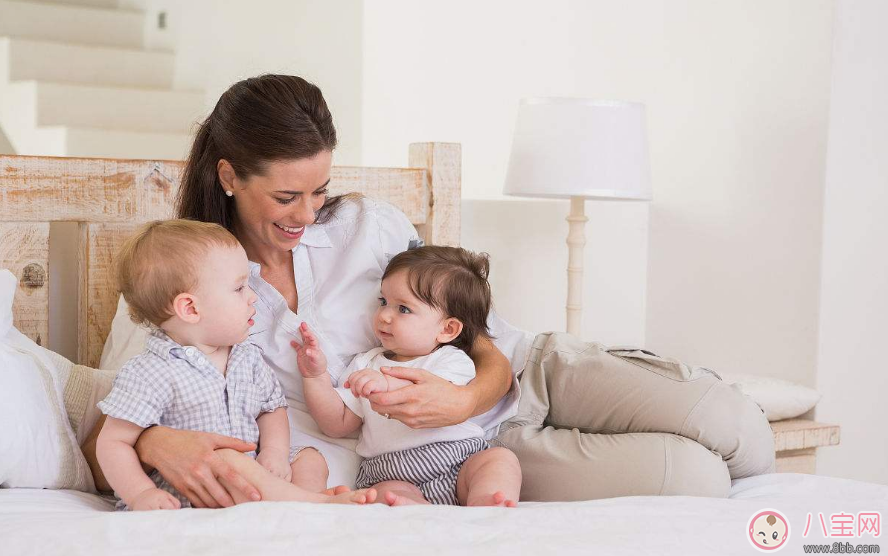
(574, 147)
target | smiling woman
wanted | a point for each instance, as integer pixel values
(260, 166)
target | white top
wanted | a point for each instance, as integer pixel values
(338, 267)
(380, 435)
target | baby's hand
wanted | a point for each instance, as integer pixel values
(309, 357)
(154, 499)
(276, 462)
(366, 382)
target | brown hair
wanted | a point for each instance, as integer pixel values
(161, 260)
(256, 121)
(452, 280)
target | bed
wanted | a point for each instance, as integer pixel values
(108, 198)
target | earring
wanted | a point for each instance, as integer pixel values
(229, 193)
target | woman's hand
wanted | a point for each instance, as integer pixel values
(188, 461)
(429, 402)
(309, 357)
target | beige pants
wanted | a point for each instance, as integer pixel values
(597, 422)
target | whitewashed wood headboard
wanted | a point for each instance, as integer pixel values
(110, 198)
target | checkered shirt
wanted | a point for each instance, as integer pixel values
(178, 387)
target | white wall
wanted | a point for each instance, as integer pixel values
(854, 294)
(739, 141)
(5, 146)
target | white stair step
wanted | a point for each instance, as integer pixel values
(102, 143)
(71, 24)
(115, 107)
(108, 4)
(92, 65)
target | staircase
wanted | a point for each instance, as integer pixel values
(76, 80)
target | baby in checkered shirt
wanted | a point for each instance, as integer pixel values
(190, 281)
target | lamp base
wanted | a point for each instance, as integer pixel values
(576, 242)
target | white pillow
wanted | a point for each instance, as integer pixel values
(780, 399)
(38, 447)
(125, 341)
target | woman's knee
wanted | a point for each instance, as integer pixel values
(728, 422)
(692, 470)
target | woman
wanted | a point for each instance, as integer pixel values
(260, 166)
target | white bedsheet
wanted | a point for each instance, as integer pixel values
(70, 523)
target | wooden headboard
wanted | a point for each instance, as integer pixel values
(110, 198)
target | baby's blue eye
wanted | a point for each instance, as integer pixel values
(403, 309)
(382, 301)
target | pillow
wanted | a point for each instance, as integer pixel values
(126, 339)
(85, 388)
(38, 447)
(780, 399)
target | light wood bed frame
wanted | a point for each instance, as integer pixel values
(110, 198)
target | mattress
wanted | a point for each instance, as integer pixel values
(71, 523)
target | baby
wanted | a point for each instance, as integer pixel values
(433, 306)
(190, 281)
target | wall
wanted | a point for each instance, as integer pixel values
(854, 291)
(735, 232)
(5, 146)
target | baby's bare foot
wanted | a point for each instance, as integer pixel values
(393, 499)
(363, 496)
(335, 490)
(498, 498)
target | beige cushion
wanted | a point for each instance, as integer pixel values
(84, 389)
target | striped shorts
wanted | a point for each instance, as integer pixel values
(433, 468)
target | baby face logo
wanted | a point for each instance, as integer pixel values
(768, 530)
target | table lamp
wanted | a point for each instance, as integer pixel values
(579, 149)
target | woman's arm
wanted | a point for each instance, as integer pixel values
(493, 375)
(89, 452)
(434, 402)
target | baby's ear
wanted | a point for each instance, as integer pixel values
(450, 329)
(185, 307)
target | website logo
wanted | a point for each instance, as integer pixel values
(768, 530)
